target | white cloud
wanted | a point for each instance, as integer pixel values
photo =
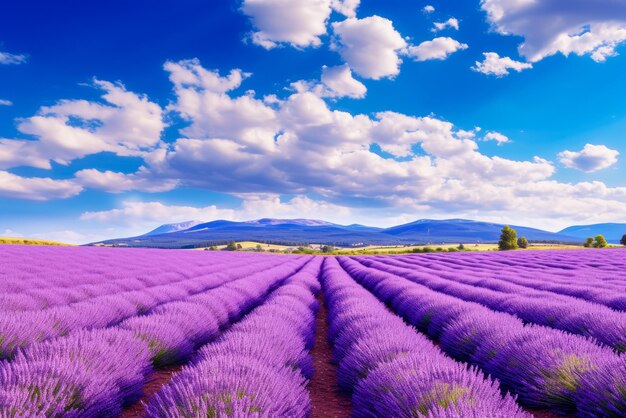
(127, 124)
(346, 7)
(36, 188)
(202, 100)
(132, 212)
(340, 83)
(9, 59)
(297, 23)
(591, 158)
(11, 233)
(437, 49)
(14, 153)
(152, 214)
(299, 145)
(120, 182)
(370, 46)
(451, 23)
(549, 27)
(493, 64)
(324, 151)
(428, 8)
(5, 102)
(66, 236)
(497, 137)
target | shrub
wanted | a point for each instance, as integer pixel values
(232, 246)
(327, 249)
(623, 240)
(600, 242)
(588, 242)
(522, 242)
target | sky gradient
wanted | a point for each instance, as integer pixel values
(116, 117)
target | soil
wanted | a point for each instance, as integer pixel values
(544, 414)
(328, 401)
(157, 379)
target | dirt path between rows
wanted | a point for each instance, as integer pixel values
(156, 380)
(327, 400)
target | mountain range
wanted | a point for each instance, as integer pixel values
(311, 231)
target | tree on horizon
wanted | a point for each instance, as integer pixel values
(508, 239)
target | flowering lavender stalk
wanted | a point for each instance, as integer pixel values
(392, 370)
(543, 308)
(591, 275)
(259, 367)
(19, 329)
(546, 368)
(93, 373)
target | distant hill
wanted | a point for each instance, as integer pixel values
(613, 232)
(277, 231)
(463, 230)
(168, 228)
(294, 232)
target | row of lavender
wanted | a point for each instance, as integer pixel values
(391, 370)
(540, 307)
(547, 368)
(42, 277)
(110, 305)
(593, 275)
(95, 372)
(259, 367)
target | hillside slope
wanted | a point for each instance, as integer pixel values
(613, 232)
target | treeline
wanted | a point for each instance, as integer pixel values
(510, 241)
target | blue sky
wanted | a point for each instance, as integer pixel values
(116, 117)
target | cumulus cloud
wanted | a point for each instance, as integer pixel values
(126, 124)
(324, 151)
(5, 102)
(296, 23)
(114, 182)
(131, 212)
(451, 23)
(251, 207)
(497, 137)
(428, 8)
(549, 27)
(7, 58)
(340, 83)
(591, 158)
(493, 64)
(15, 153)
(203, 101)
(346, 7)
(437, 49)
(296, 144)
(370, 46)
(36, 188)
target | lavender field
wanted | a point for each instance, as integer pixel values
(105, 332)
